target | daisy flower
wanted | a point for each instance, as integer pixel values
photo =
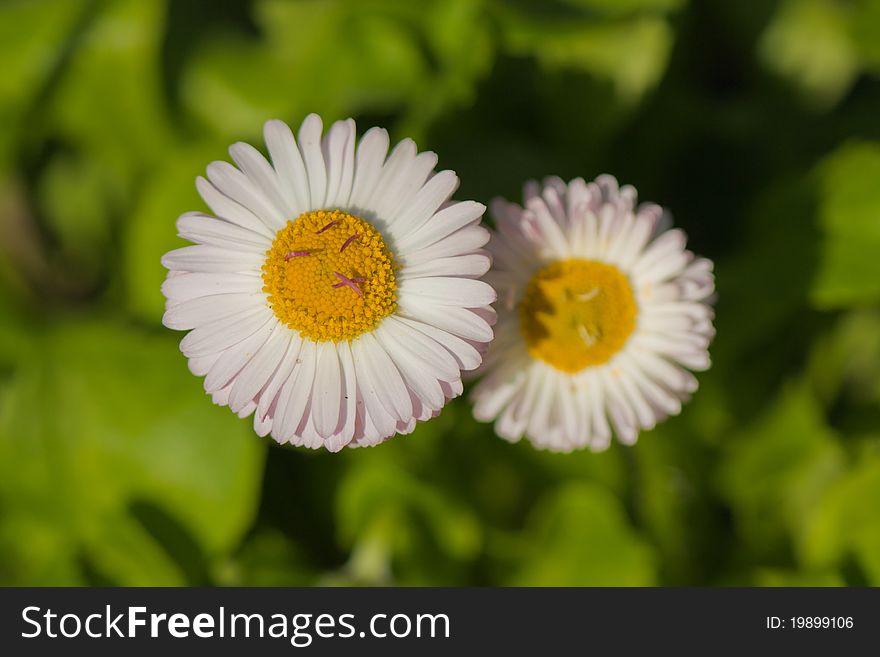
(601, 314)
(334, 293)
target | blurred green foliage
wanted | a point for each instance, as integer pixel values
(756, 122)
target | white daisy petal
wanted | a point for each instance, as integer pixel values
(387, 383)
(452, 389)
(474, 264)
(602, 314)
(203, 310)
(370, 392)
(228, 209)
(269, 393)
(287, 162)
(201, 365)
(538, 415)
(336, 294)
(549, 230)
(434, 357)
(262, 425)
(223, 333)
(465, 240)
(235, 358)
(448, 291)
(203, 229)
(338, 148)
(412, 369)
(443, 224)
(498, 389)
(207, 259)
(191, 285)
(296, 393)
(327, 393)
(237, 186)
(462, 350)
(370, 155)
(395, 173)
(658, 398)
(426, 202)
(568, 415)
(402, 195)
(458, 321)
(263, 176)
(348, 430)
(670, 243)
(252, 377)
(309, 139)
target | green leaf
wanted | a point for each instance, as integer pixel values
(775, 577)
(612, 7)
(846, 524)
(808, 41)
(385, 513)
(580, 536)
(267, 558)
(71, 196)
(120, 457)
(601, 48)
(340, 58)
(32, 35)
(110, 99)
(671, 469)
(849, 271)
(848, 359)
(777, 468)
(865, 32)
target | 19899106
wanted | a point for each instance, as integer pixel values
(810, 623)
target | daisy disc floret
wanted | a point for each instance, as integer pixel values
(334, 293)
(602, 315)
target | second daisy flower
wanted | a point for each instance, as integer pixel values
(602, 312)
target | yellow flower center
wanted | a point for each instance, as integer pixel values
(330, 276)
(577, 313)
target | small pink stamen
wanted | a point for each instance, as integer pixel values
(349, 282)
(347, 242)
(332, 223)
(296, 254)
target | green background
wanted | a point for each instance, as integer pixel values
(757, 123)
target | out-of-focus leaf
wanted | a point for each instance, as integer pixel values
(103, 421)
(776, 470)
(110, 102)
(849, 271)
(601, 48)
(71, 195)
(580, 536)
(849, 356)
(340, 58)
(846, 524)
(627, 6)
(375, 62)
(608, 468)
(762, 297)
(865, 31)
(809, 42)
(770, 577)
(671, 469)
(31, 33)
(383, 512)
(268, 558)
